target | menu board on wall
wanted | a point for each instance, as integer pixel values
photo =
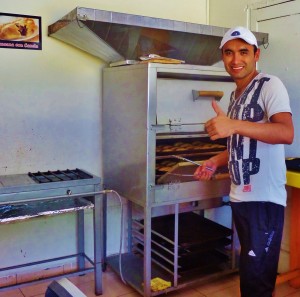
(20, 31)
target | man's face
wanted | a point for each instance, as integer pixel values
(239, 59)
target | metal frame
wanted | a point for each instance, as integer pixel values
(96, 197)
(137, 272)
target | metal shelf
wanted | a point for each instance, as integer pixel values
(206, 246)
(23, 211)
(132, 271)
(160, 253)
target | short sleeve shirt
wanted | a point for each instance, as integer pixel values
(257, 169)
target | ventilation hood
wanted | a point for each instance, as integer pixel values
(115, 37)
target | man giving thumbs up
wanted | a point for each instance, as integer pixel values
(257, 125)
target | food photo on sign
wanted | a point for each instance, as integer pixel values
(20, 31)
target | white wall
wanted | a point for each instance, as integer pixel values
(228, 13)
(231, 13)
(51, 102)
(50, 116)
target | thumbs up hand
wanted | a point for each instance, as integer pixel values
(220, 126)
(218, 110)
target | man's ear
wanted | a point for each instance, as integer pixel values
(257, 54)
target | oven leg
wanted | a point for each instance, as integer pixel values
(176, 244)
(104, 232)
(129, 233)
(147, 251)
(98, 243)
(80, 240)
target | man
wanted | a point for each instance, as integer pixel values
(257, 124)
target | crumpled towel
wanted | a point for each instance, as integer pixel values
(158, 284)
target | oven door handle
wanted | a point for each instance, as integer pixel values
(205, 94)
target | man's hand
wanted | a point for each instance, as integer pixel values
(203, 173)
(220, 126)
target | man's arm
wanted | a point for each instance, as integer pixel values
(279, 130)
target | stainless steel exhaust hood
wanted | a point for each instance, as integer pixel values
(114, 36)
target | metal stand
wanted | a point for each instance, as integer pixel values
(139, 268)
(81, 256)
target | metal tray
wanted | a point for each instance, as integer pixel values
(22, 211)
(202, 232)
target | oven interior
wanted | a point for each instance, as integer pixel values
(170, 168)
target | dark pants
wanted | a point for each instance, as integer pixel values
(259, 226)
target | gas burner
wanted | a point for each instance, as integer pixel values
(59, 175)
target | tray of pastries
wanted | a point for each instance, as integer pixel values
(181, 147)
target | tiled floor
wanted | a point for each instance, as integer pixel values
(114, 287)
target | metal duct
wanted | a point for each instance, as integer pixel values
(114, 36)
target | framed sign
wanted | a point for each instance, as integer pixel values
(20, 31)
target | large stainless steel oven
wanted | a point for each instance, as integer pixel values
(150, 115)
(153, 113)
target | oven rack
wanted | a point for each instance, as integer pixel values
(132, 266)
(206, 247)
(165, 257)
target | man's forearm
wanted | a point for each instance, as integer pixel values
(220, 159)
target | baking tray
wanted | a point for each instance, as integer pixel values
(185, 253)
(202, 232)
(189, 146)
(196, 263)
(184, 172)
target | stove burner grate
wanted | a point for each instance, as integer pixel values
(59, 175)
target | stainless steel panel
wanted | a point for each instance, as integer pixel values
(191, 191)
(32, 195)
(125, 133)
(175, 103)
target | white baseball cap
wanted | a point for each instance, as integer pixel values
(239, 32)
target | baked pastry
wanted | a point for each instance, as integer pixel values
(20, 28)
(10, 32)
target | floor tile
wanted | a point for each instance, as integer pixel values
(132, 294)
(81, 279)
(186, 292)
(285, 289)
(212, 287)
(296, 294)
(34, 290)
(232, 291)
(11, 293)
(113, 286)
